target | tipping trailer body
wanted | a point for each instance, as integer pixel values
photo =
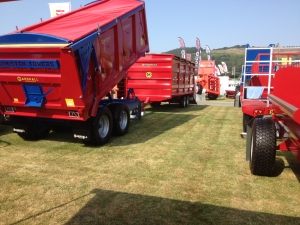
(208, 80)
(271, 112)
(160, 78)
(286, 109)
(258, 74)
(64, 67)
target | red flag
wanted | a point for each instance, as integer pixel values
(182, 45)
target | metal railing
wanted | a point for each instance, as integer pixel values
(266, 62)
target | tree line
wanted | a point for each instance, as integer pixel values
(232, 56)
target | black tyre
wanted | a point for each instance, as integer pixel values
(5, 119)
(263, 147)
(200, 88)
(182, 101)
(102, 127)
(62, 127)
(35, 130)
(246, 119)
(237, 90)
(1, 118)
(187, 98)
(212, 96)
(121, 118)
(139, 111)
(155, 104)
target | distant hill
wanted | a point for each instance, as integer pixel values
(233, 57)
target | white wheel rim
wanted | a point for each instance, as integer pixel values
(103, 126)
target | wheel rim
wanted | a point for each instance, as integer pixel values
(103, 126)
(123, 119)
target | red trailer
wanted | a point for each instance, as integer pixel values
(61, 70)
(158, 78)
(269, 99)
(208, 80)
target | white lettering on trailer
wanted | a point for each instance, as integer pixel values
(196, 59)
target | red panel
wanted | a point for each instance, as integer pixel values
(286, 85)
(208, 79)
(81, 22)
(117, 48)
(161, 77)
(207, 67)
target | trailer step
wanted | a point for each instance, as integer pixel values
(35, 96)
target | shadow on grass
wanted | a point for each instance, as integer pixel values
(140, 131)
(294, 165)
(279, 167)
(165, 107)
(110, 207)
(5, 129)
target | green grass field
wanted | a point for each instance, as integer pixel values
(175, 166)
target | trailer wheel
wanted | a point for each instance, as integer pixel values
(246, 119)
(199, 89)
(212, 96)
(139, 111)
(62, 127)
(35, 130)
(237, 90)
(187, 98)
(182, 101)
(263, 147)
(121, 118)
(101, 127)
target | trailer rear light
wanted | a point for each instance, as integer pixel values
(9, 109)
(257, 112)
(74, 114)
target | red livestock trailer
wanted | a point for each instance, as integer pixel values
(208, 80)
(158, 78)
(271, 110)
(60, 71)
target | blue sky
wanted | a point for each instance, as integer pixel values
(217, 23)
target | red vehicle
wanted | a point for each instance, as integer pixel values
(61, 71)
(208, 80)
(269, 101)
(158, 78)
